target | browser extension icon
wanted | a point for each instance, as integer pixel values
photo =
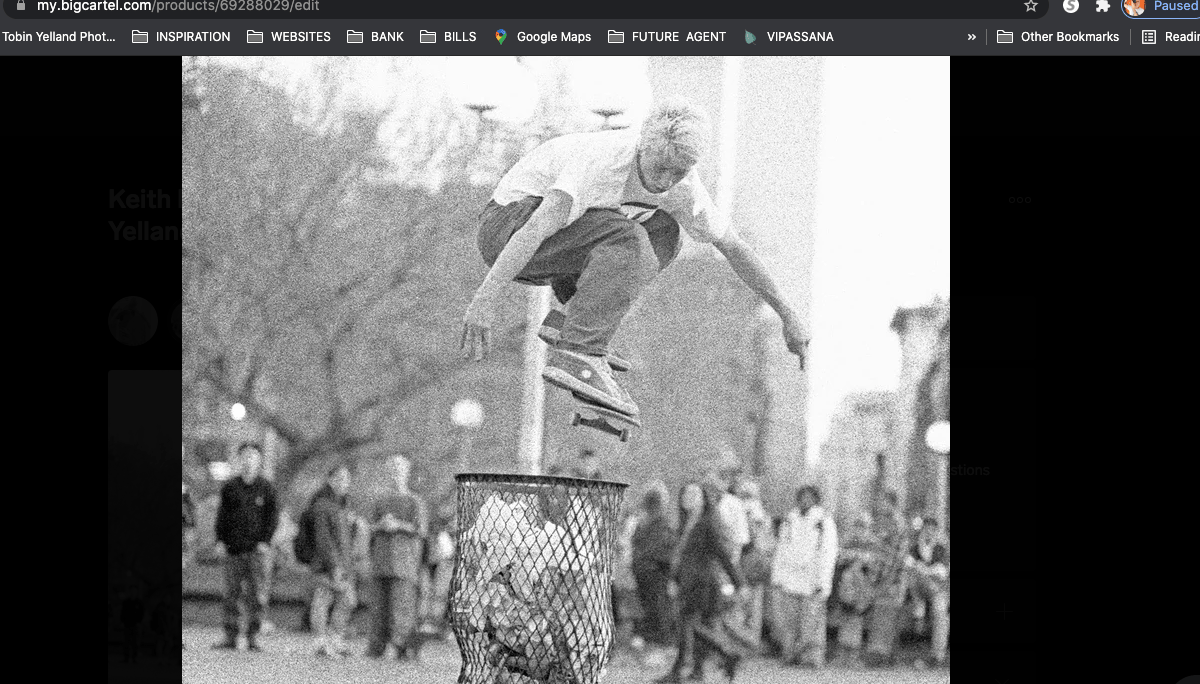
(750, 38)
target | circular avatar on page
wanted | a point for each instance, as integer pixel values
(132, 321)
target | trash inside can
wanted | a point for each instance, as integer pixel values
(531, 595)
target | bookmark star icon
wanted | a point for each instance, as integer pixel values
(1030, 6)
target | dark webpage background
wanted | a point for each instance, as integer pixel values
(89, 125)
(1062, 170)
(82, 128)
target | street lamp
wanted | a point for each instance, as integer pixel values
(465, 416)
(611, 87)
(937, 437)
(480, 109)
(467, 413)
(608, 114)
(506, 90)
(500, 87)
(220, 471)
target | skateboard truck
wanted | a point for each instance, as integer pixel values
(601, 422)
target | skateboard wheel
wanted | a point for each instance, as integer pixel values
(575, 418)
(625, 435)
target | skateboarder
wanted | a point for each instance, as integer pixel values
(596, 216)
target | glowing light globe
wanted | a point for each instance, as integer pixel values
(466, 413)
(937, 437)
(220, 470)
(238, 411)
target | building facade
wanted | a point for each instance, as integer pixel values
(854, 457)
(924, 335)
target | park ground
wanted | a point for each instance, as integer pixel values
(287, 659)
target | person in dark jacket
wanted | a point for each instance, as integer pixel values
(189, 528)
(400, 525)
(189, 534)
(929, 566)
(705, 577)
(189, 525)
(331, 566)
(653, 545)
(246, 521)
(888, 553)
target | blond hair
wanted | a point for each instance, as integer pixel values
(679, 129)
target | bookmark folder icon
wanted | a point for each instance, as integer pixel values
(353, 36)
(253, 36)
(1004, 36)
(428, 37)
(140, 36)
(616, 36)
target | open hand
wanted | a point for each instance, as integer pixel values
(476, 334)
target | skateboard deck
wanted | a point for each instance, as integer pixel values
(602, 417)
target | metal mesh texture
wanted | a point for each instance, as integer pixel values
(531, 595)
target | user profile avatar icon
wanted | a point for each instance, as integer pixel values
(1134, 8)
(132, 321)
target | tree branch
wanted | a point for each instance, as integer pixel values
(214, 374)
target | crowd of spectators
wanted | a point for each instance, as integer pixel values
(709, 575)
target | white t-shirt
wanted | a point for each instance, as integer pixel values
(599, 171)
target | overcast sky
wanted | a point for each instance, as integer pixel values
(883, 219)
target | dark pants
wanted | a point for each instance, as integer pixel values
(394, 617)
(245, 580)
(656, 604)
(599, 263)
(332, 603)
(701, 637)
(702, 629)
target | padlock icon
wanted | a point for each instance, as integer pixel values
(20, 4)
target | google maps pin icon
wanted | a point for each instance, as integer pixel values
(500, 35)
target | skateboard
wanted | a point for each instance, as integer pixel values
(601, 421)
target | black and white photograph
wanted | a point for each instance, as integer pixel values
(549, 370)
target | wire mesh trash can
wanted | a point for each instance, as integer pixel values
(531, 595)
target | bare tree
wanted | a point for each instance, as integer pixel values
(316, 297)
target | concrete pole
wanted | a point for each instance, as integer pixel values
(534, 399)
(271, 446)
(943, 510)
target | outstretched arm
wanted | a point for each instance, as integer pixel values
(746, 264)
(548, 219)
